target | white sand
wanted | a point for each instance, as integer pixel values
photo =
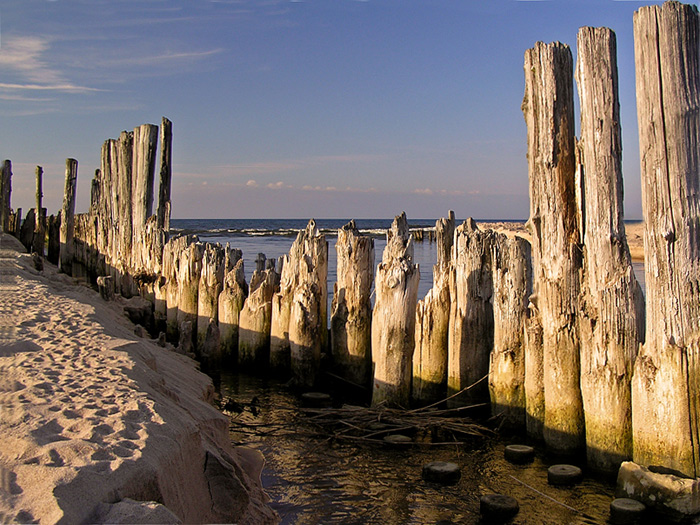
(91, 415)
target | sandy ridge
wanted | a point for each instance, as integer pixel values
(91, 415)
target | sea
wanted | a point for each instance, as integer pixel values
(274, 237)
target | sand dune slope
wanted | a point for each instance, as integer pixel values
(94, 421)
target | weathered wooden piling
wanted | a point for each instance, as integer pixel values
(534, 371)
(188, 275)
(67, 217)
(256, 317)
(665, 385)
(211, 283)
(170, 272)
(5, 196)
(26, 231)
(351, 309)
(143, 173)
(512, 287)
(39, 215)
(231, 301)
(166, 173)
(394, 317)
(432, 322)
(306, 264)
(305, 339)
(54, 248)
(556, 244)
(471, 314)
(612, 314)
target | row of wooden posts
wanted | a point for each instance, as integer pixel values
(554, 331)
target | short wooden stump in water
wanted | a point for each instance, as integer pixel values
(564, 475)
(519, 454)
(441, 472)
(626, 510)
(316, 400)
(397, 440)
(497, 508)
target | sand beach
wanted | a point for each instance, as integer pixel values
(99, 425)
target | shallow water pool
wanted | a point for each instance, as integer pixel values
(312, 479)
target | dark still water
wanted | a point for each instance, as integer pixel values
(313, 479)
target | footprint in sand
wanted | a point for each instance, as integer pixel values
(56, 459)
(103, 429)
(71, 414)
(8, 482)
(122, 452)
(48, 433)
(102, 455)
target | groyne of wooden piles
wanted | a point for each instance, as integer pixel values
(553, 333)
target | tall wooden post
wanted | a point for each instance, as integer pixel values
(5, 196)
(666, 382)
(548, 108)
(166, 174)
(143, 173)
(612, 310)
(122, 155)
(39, 215)
(65, 260)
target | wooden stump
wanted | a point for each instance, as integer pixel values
(471, 315)
(255, 320)
(665, 392)
(432, 322)
(67, 218)
(306, 264)
(534, 372)
(512, 287)
(548, 108)
(231, 301)
(26, 231)
(351, 309)
(394, 317)
(304, 337)
(612, 309)
(188, 275)
(171, 264)
(210, 285)
(54, 249)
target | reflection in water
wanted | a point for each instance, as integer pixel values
(313, 480)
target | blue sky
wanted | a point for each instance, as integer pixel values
(323, 108)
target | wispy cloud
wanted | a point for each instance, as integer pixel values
(164, 58)
(68, 88)
(24, 57)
